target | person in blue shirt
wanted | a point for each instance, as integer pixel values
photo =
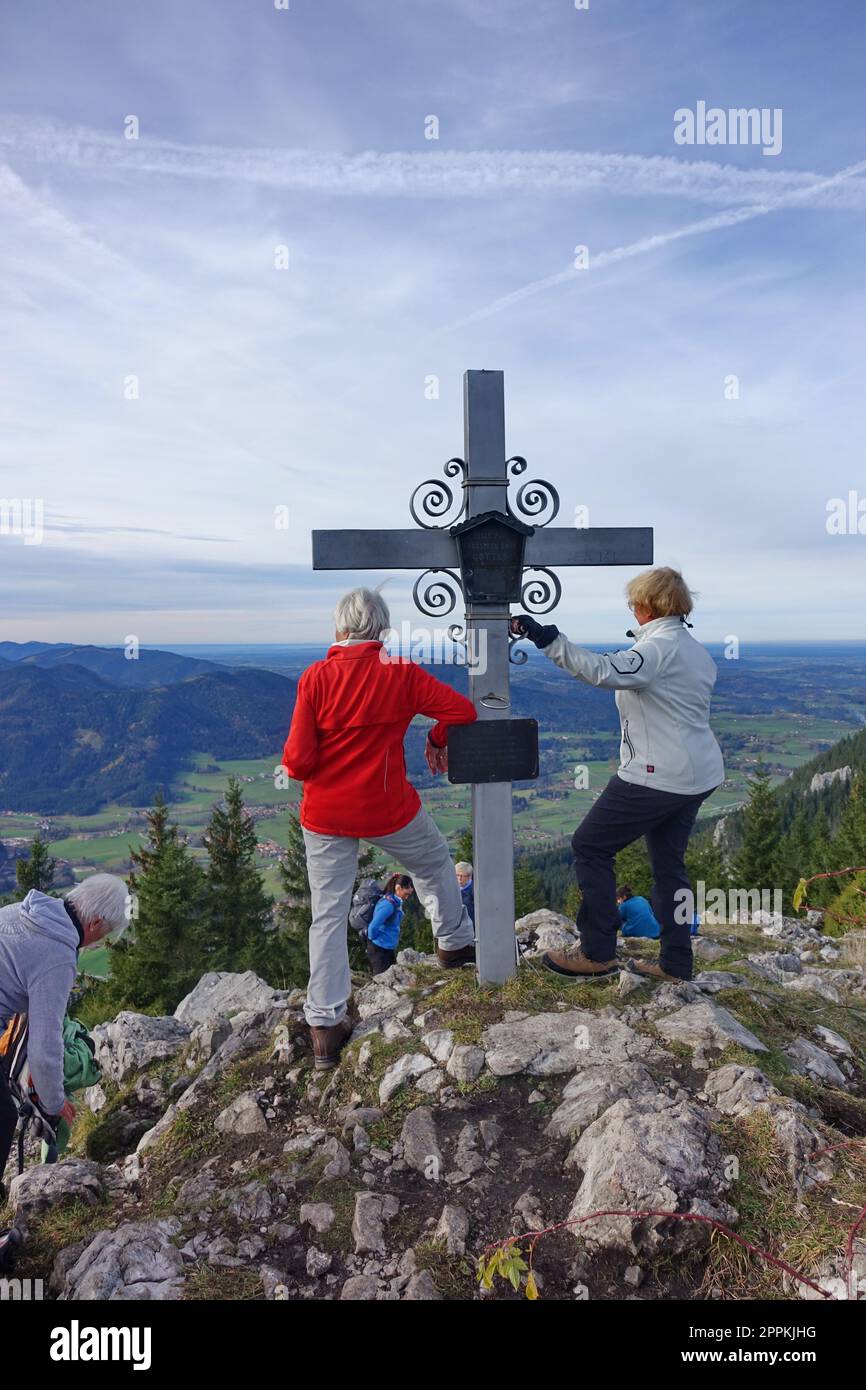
(463, 871)
(383, 933)
(636, 914)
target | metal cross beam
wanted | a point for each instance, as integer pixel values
(486, 473)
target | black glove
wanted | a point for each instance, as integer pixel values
(523, 625)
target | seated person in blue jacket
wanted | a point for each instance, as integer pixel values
(383, 933)
(636, 914)
(463, 871)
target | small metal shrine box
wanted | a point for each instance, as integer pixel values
(493, 750)
(490, 550)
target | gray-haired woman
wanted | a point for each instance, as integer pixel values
(346, 746)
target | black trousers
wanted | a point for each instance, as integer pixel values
(8, 1121)
(623, 813)
(379, 958)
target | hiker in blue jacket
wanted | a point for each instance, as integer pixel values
(383, 933)
(636, 915)
(467, 891)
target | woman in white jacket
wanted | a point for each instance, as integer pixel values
(669, 763)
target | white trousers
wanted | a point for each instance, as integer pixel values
(332, 862)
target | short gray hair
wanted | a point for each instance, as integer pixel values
(461, 867)
(102, 897)
(363, 614)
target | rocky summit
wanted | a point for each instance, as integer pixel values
(634, 1125)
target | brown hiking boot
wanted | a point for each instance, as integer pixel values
(452, 959)
(327, 1043)
(572, 964)
(651, 970)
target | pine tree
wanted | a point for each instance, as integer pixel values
(528, 891)
(463, 846)
(756, 864)
(850, 843)
(239, 909)
(164, 954)
(633, 868)
(37, 871)
(289, 958)
(289, 951)
(796, 857)
(849, 851)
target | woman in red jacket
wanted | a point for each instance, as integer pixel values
(346, 746)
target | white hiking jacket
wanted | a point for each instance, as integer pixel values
(663, 684)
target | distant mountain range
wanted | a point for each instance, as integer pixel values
(147, 670)
(74, 738)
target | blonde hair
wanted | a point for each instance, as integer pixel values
(663, 591)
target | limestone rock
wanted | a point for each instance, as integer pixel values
(553, 931)
(591, 1091)
(743, 1091)
(421, 1288)
(339, 1162)
(368, 1222)
(705, 1024)
(132, 1041)
(409, 1065)
(646, 1154)
(808, 1059)
(439, 1043)
(45, 1185)
(226, 993)
(704, 949)
(319, 1215)
(453, 1228)
(421, 1143)
(465, 1063)
(243, 1116)
(359, 1286)
(138, 1260)
(833, 1042)
(546, 1044)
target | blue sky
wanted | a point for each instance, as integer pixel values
(260, 387)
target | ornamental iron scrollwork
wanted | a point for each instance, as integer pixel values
(438, 597)
(541, 593)
(518, 656)
(436, 499)
(537, 501)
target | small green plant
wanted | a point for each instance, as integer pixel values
(507, 1262)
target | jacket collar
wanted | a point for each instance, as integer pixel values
(339, 652)
(658, 625)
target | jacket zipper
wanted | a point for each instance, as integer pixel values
(385, 779)
(627, 741)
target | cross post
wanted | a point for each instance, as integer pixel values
(487, 474)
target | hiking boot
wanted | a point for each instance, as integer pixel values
(651, 970)
(574, 965)
(327, 1043)
(452, 959)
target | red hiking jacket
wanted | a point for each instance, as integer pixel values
(346, 740)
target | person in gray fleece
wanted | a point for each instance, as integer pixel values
(40, 938)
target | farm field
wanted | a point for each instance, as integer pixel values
(545, 812)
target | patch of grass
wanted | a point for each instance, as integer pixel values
(56, 1229)
(453, 1275)
(804, 1230)
(189, 1136)
(206, 1284)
